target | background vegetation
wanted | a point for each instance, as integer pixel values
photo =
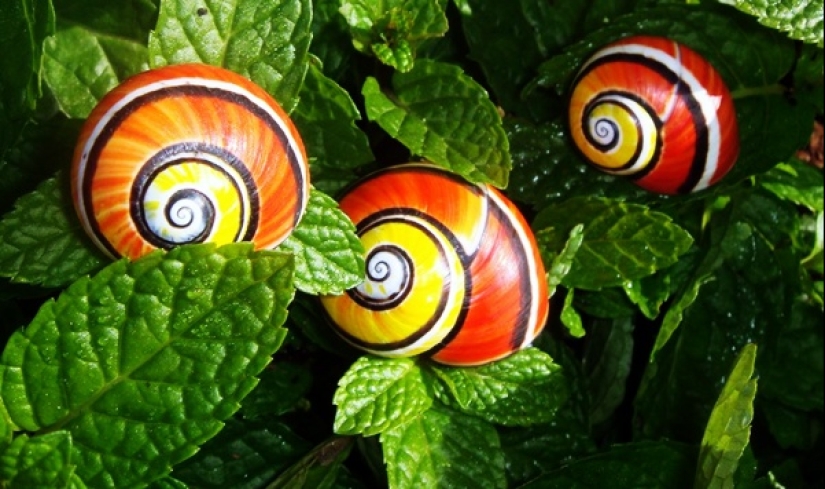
(685, 345)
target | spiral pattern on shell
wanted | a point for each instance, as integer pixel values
(452, 270)
(654, 110)
(188, 154)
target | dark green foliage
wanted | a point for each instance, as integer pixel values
(685, 341)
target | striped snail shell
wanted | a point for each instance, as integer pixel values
(452, 270)
(187, 154)
(655, 111)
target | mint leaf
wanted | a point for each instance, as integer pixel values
(441, 114)
(267, 43)
(560, 262)
(606, 363)
(642, 465)
(392, 29)
(42, 241)
(621, 241)
(318, 469)
(748, 296)
(143, 361)
(610, 303)
(523, 389)
(326, 120)
(570, 318)
(377, 394)
(651, 292)
(801, 19)
(443, 448)
(791, 365)
(24, 24)
(281, 390)
(532, 451)
(38, 461)
(167, 483)
(510, 62)
(331, 41)
(729, 427)
(43, 148)
(797, 182)
(329, 257)
(81, 65)
(244, 455)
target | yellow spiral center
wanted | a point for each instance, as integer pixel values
(413, 292)
(618, 133)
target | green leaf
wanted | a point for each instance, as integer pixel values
(641, 465)
(651, 292)
(607, 358)
(43, 148)
(791, 365)
(510, 62)
(729, 427)
(24, 24)
(801, 19)
(244, 455)
(442, 448)
(793, 429)
(97, 45)
(815, 260)
(532, 451)
(319, 468)
(329, 257)
(561, 262)
(441, 114)
(749, 288)
(621, 241)
(82, 65)
(326, 119)
(42, 241)
(39, 461)
(266, 42)
(129, 20)
(570, 318)
(797, 182)
(330, 38)
(523, 389)
(609, 303)
(143, 361)
(377, 394)
(392, 29)
(281, 390)
(167, 483)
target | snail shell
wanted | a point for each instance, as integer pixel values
(654, 110)
(452, 270)
(186, 154)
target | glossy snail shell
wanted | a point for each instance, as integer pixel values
(654, 110)
(453, 270)
(184, 154)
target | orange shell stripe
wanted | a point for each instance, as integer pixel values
(509, 304)
(184, 144)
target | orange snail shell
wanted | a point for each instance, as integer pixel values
(654, 110)
(188, 153)
(453, 270)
